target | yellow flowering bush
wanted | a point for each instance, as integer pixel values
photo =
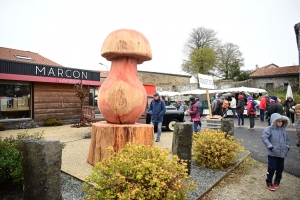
(139, 172)
(214, 149)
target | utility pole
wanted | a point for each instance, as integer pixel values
(297, 32)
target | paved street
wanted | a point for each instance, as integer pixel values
(252, 142)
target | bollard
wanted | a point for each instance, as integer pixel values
(182, 142)
(41, 163)
(227, 126)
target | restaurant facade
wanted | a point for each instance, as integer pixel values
(33, 87)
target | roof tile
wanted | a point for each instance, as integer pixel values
(274, 70)
(11, 55)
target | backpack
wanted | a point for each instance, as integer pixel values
(253, 106)
(225, 104)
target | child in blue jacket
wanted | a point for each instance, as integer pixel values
(277, 141)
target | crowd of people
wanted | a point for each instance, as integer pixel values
(275, 137)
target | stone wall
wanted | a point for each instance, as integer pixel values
(223, 84)
(164, 81)
(278, 82)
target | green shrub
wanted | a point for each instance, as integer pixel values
(139, 172)
(10, 159)
(53, 122)
(2, 127)
(213, 149)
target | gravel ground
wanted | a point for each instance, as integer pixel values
(71, 187)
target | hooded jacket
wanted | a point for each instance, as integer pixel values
(277, 137)
(157, 110)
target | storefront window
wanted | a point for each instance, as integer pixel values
(93, 96)
(15, 101)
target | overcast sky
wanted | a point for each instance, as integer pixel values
(71, 33)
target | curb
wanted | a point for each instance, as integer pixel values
(223, 176)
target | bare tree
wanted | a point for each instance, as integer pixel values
(230, 60)
(200, 49)
(200, 38)
(81, 93)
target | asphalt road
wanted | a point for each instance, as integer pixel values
(252, 142)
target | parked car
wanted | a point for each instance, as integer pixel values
(171, 116)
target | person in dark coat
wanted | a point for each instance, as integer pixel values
(240, 110)
(157, 110)
(194, 112)
(289, 106)
(274, 107)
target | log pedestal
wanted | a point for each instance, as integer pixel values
(116, 135)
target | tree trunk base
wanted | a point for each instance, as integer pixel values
(105, 135)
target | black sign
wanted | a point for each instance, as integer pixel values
(8, 67)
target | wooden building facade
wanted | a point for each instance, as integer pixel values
(33, 87)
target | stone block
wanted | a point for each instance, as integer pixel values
(227, 125)
(182, 142)
(41, 163)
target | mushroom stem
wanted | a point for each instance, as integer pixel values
(123, 68)
(122, 96)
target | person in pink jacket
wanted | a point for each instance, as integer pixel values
(251, 112)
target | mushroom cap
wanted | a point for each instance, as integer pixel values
(126, 42)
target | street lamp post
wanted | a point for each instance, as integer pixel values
(105, 66)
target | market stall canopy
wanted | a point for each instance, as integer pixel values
(168, 93)
(243, 89)
(199, 91)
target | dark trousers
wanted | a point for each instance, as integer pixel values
(262, 115)
(240, 117)
(251, 118)
(275, 164)
(291, 116)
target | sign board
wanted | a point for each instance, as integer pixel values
(206, 81)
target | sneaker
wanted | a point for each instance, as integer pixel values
(242, 125)
(276, 185)
(293, 124)
(156, 140)
(270, 186)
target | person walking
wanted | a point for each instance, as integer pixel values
(240, 110)
(180, 108)
(214, 105)
(251, 112)
(157, 110)
(274, 107)
(263, 107)
(200, 107)
(289, 106)
(277, 141)
(233, 106)
(297, 110)
(194, 112)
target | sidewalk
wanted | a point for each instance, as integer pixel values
(74, 155)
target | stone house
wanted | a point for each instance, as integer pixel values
(274, 77)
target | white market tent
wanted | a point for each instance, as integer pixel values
(243, 89)
(198, 91)
(168, 93)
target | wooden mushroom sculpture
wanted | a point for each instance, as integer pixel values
(122, 96)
